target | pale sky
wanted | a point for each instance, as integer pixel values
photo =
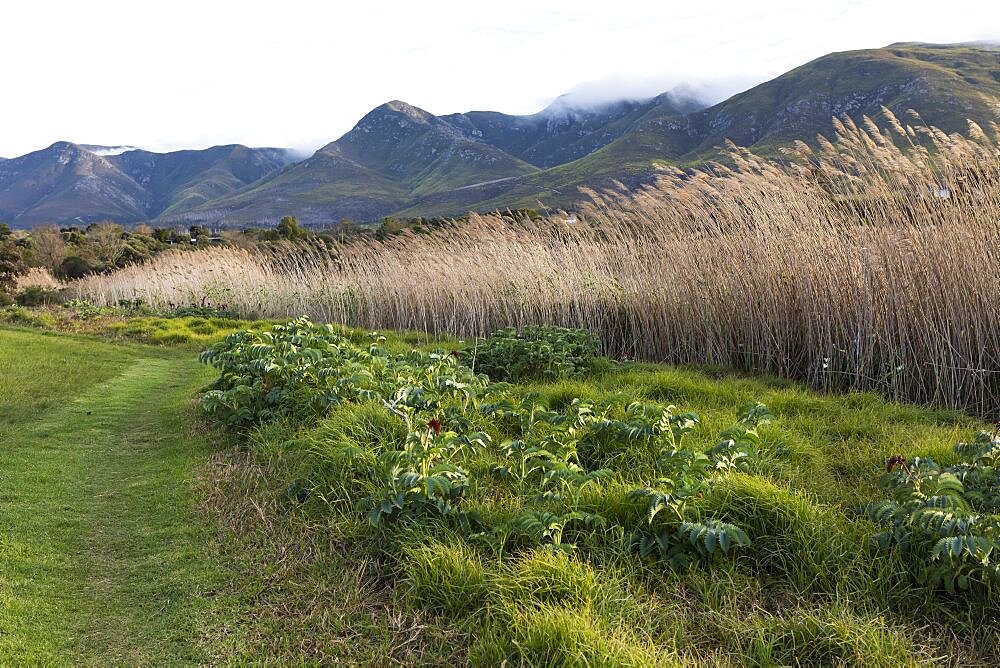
(291, 73)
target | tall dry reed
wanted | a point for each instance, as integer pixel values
(870, 262)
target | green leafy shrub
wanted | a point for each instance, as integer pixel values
(299, 366)
(405, 428)
(37, 295)
(944, 520)
(667, 534)
(202, 312)
(542, 352)
(83, 309)
(134, 306)
(423, 478)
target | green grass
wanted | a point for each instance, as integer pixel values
(130, 538)
(104, 558)
(190, 332)
(807, 591)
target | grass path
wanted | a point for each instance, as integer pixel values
(103, 557)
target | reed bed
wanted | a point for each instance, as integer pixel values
(868, 262)
(37, 276)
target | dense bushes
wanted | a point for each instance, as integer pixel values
(535, 353)
(37, 295)
(579, 519)
(299, 369)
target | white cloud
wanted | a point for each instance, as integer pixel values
(191, 74)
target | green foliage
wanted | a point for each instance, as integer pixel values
(298, 369)
(83, 309)
(543, 570)
(37, 295)
(12, 265)
(666, 535)
(290, 229)
(299, 366)
(423, 477)
(543, 352)
(455, 488)
(73, 267)
(944, 520)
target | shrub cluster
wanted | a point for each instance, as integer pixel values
(540, 352)
(37, 295)
(542, 517)
(447, 412)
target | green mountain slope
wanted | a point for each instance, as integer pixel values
(401, 160)
(946, 84)
(185, 179)
(65, 183)
(623, 142)
(564, 131)
(395, 154)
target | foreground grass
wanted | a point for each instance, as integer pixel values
(104, 559)
(808, 591)
(107, 560)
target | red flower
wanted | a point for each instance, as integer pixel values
(456, 354)
(894, 461)
(435, 425)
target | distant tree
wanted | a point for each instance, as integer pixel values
(105, 244)
(74, 266)
(5, 232)
(345, 229)
(162, 234)
(12, 265)
(290, 229)
(72, 235)
(198, 232)
(390, 226)
(138, 248)
(50, 246)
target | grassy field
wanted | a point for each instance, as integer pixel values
(135, 533)
(104, 557)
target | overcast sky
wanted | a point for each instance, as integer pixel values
(190, 74)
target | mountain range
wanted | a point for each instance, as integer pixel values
(403, 161)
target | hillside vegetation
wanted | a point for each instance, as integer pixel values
(571, 147)
(67, 183)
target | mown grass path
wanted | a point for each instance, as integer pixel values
(103, 556)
